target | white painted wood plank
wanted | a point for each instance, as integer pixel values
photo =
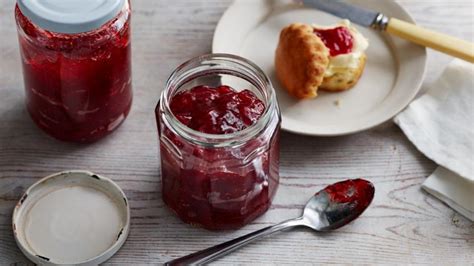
(404, 224)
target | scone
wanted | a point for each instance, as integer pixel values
(311, 57)
(345, 77)
(301, 60)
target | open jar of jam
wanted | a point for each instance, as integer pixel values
(76, 65)
(218, 123)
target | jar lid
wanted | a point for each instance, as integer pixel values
(73, 217)
(70, 16)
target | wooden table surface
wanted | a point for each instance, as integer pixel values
(403, 225)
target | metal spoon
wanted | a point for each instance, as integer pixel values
(329, 209)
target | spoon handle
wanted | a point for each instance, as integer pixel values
(212, 253)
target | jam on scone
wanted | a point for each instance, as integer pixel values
(311, 57)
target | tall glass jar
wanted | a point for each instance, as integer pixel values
(219, 181)
(76, 59)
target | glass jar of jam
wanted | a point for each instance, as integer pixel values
(76, 59)
(218, 123)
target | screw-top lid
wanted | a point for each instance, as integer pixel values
(70, 16)
(73, 218)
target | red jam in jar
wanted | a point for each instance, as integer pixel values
(220, 110)
(338, 40)
(219, 146)
(78, 85)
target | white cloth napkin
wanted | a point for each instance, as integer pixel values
(441, 125)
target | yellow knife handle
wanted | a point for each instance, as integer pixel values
(435, 40)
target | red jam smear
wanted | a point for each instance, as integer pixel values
(78, 86)
(219, 110)
(338, 40)
(218, 188)
(359, 191)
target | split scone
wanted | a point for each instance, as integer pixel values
(311, 57)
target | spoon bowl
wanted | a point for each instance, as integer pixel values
(331, 208)
(338, 204)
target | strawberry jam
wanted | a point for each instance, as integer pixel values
(78, 86)
(219, 147)
(217, 110)
(353, 190)
(351, 197)
(338, 40)
(225, 187)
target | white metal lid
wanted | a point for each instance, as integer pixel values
(70, 16)
(73, 217)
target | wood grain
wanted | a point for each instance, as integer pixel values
(404, 224)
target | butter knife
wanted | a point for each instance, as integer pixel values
(408, 31)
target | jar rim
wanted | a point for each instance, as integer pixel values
(259, 79)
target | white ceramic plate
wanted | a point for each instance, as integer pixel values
(392, 77)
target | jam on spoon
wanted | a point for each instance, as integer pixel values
(338, 40)
(333, 207)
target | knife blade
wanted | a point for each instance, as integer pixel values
(359, 15)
